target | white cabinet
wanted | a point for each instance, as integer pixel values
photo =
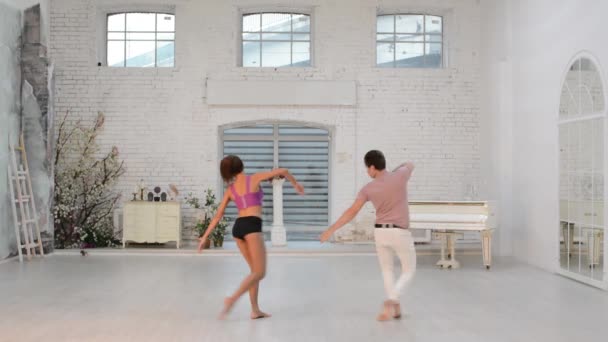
(151, 222)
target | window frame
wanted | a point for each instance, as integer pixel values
(282, 10)
(565, 122)
(424, 14)
(103, 11)
(277, 139)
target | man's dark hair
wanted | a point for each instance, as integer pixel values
(375, 158)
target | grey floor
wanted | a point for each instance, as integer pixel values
(313, 298)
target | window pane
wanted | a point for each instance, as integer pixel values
(410, 37)
(305, 131)
(165, 54)
(301, 23)
(141, 22)
(301, 37)
(433, 49)
(251, 36)
(116, 22)
(276, 22)
(384, 54)
(309, 163)
(385, 37)
(260, 130)
(251, 54)
(276, 54)
(433, 38)
(251, 23)
(598, 140)
(433, 24)
(140, 36)
(276, 36)
(433, 55)
(165, 36)
(385, 23)
(116, 53)
(140, 54)
(409, 23)
(116, 36)
(409, 55)
(301, 54)
(165, 22)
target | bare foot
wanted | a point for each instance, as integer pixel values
(228, 303)
(385, 315)
(259, 314)
(396, 311)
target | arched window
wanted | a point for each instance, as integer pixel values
(304, 150)
(581, 125)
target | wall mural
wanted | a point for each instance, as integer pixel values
(25, 105)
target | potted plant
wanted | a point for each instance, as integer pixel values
(217, 236)
(200, 227)
(205, 215)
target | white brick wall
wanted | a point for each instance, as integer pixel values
(166, 132)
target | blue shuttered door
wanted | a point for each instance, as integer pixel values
(304, 151)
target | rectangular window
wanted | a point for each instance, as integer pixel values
(140, 40)
(276, 40)
(409, 41)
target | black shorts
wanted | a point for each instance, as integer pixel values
(246, 225)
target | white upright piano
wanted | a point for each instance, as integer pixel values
(450, 219)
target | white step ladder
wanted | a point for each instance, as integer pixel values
(22, 202)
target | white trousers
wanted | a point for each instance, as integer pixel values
(391, 242)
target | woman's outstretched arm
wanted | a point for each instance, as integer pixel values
(262, 176)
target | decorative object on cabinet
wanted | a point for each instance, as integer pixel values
(157, 194)
(142, 187)
(173, 192)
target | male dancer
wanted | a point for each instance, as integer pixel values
(388, 193)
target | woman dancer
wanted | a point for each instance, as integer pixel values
(245, 191)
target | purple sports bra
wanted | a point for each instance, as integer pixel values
(248, 199)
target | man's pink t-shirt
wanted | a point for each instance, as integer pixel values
(388, 194)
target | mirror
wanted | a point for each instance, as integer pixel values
(581, 171)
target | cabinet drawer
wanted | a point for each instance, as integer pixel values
(167, 226)
(139, 222)
(139, 235)
(170, 210)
